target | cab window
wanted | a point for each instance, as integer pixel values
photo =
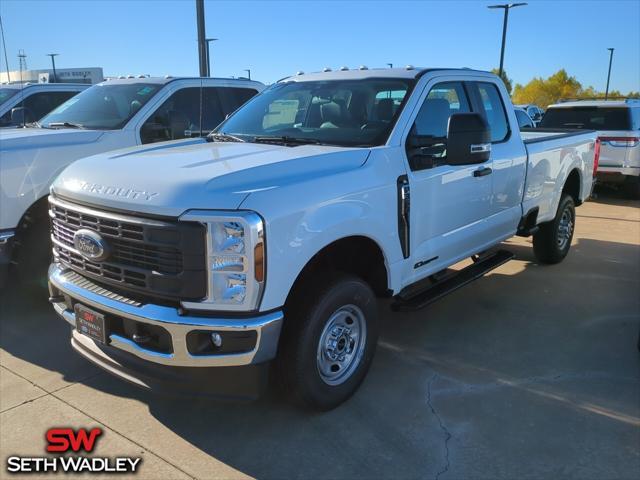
(493, 110)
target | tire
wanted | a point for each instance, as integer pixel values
(552, 242)
(33, 254)
(313, 331)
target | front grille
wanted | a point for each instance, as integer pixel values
(154, 258)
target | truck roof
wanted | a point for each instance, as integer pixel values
(597, 103)
(408, 72)
(168, 79)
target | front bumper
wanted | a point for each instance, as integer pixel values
(134, 362)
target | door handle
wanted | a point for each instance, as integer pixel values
(482, 172)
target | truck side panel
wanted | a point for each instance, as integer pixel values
(550, 163)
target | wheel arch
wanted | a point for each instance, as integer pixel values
(356, 254)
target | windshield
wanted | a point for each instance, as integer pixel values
(102, 107)
(333, 112)
(591, 118)
(7, 93)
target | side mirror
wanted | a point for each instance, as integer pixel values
(468, 139)
(18, 116)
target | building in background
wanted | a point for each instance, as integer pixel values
(89, 75)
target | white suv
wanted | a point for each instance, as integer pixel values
(618, 126)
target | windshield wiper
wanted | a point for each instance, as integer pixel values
(223, 137)
(66, 124)
(286, 140)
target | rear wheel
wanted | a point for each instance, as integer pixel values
(552, 242)
(328, 341)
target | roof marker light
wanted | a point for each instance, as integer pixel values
(344, 68)
(409, 67)
(326, 69)
(299, 72)
(363, 67)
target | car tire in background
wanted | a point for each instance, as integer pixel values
(328, 340)
(32, 254)
(551, 243)
(632, 187)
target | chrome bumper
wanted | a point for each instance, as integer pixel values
(267, 326)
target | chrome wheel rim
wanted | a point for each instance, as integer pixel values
(565, 229)
(341, 345)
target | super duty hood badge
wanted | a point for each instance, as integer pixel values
(114, 191)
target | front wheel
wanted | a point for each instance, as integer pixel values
(328, 341)
(552, 242)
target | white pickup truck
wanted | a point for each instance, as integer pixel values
(108, 116)
(271, 239)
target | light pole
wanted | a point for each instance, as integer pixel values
(390, 65)
(53, 64)
(506, 7)
(606, 92)
(248, 70)
(209, 40)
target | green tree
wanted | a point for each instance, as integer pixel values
(505, 78)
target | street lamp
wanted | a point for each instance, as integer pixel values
(506, 7)
(209, 40)
(390, 65)
(53, 64)
(248, 70)
(606, 93)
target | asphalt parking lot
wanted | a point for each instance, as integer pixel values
(530, 372)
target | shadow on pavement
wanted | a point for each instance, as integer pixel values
(532, 368)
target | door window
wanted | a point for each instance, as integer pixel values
(178, 117)
(429, 130)
(38, 105)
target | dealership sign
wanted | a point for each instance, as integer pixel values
(65, 440)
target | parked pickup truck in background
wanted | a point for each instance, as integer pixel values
(618, 127)
(107, 116)
(270, 239)
(25, 103)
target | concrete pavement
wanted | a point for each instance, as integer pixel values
(530, 372)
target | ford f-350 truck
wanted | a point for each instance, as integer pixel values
(108, 116)
(195, 266)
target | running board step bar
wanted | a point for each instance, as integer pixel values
(437, 289)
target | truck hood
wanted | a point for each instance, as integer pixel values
(170, 178)
(27, 138)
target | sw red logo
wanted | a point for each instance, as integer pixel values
(65, 439)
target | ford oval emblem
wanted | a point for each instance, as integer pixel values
(90, 245)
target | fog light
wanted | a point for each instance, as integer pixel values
(216, 338)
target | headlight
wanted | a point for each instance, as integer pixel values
(235, 260)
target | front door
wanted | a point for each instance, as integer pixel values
(449, 203)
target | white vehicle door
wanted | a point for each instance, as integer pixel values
(448, 203)
(508, 155)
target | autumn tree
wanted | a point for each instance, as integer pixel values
(544, 92)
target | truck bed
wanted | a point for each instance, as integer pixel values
(550, 153)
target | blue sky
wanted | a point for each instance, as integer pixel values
(275, 39)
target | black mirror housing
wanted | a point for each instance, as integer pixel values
(468, 139)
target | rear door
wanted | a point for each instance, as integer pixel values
(508, 155)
